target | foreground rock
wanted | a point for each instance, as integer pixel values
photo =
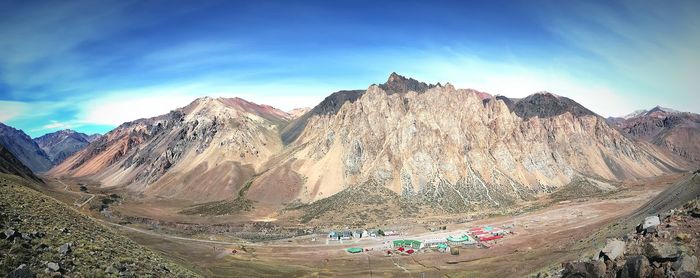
(663, 246)
(584, 269)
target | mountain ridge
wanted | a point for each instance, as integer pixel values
(24, 149)
(223, 142)
(61, 144)
(457, 148)
(666, 128)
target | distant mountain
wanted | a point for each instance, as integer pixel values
(24, 149)
(9, 164)
(678, 132)
(298, 112)
(545, 105)
(61, 144)
(204, 151)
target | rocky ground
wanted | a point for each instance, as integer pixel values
(41, 237)
(665, 245)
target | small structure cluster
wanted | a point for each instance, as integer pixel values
(488, 233)
(349, 234)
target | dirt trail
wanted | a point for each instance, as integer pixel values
(81, 204)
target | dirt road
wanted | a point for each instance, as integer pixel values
(542, 237)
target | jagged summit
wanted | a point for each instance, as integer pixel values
(397, 84)
(659, 111)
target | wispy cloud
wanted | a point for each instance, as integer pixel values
(88, 64)
(40, 41)
(648, 53)
(56, 125)
(10, 110)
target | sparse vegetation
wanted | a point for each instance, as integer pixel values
(582, 188)
(224, 207)
(360, 205)
(51, 239)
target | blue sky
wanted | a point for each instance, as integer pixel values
(91, 65)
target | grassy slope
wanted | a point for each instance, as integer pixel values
(96, 249)
(224, 207)
(361, 205)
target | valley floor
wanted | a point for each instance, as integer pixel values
(542, 238)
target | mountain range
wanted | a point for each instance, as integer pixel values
(675, 131)
(455, 149)
(61, 144)
(42, 153)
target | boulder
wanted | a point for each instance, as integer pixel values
(10, 234)
(651, 221)
(613, 249)
(53, 266)
(685, 263)
(584, 269)
(650, 230)
(65, 248)
(21, 272)
(661, 251)
(636, 266)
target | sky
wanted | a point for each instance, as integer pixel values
(92, 65)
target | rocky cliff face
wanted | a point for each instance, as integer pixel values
(453, 149)
(24, 149)
(204, 151)
(61, 144)
(672, 130)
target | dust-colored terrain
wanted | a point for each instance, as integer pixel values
(546, 233)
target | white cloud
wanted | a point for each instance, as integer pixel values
(123, 106)
(648, 53)
(10, 110)
(57, 125)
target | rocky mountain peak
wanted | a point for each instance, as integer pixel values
(398, 84)
(635, 114)
(61, 144)
(659, 111)
(546, 104)
(665, 127)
